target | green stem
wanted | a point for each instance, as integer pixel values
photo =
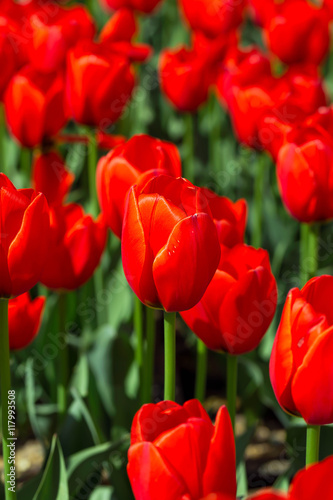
(62, 361)
(188, 172)
(232, 387)
(169, 356)
(215, 135)
(312, 444)
(201, 371)
(92, 164)
(150, 356)
(259, 189)
(308, 251)
(139, 352)
(26, 162)
(7, 440)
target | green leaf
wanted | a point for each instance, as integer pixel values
(54, 482)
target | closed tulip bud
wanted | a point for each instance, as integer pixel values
(24, 318)
(35, 106)
(24, 238)
(122, 167)
(170, 247)
(53, 36)
(213, 17)
(305, 179)
(77, 245)
(184, 78)
(103, 104)
(239, 303)
(146, 6)
(299, 33)
(121, 27)
(301, 365)
(177, 453)
(51, 177)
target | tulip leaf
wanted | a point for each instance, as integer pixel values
(54, 481)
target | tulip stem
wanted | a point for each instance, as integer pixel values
(312, 444)
(201, 372)
(8, 437)
(26, 162)
(92, 165)
(259, 184)
(308, 252)
(138, 329)
(150, 356)
(169, 356)
(62, 361)
(215, 135)
(188, 145)
(232, 362)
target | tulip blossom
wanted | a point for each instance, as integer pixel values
(8, 56)
(299, 33)
(77, 245)
(141, 158)
(184, 77)
(239, 303)
(305, 178)
(51, 177)
(146, 6)
(301, 365)
(35, 106)
(91, 104)
(213, 17)
(24, 239)
(24, 317)
(177, 453)
(52, 36)
(170, 247)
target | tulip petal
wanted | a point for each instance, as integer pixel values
(312, 386)
(220, 472)
(183, 269)
(151, 476)
(313, 482)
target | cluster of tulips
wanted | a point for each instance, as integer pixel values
(183, 246)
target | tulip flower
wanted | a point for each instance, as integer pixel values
(184, 77)
(141, 157)
(8, 57)
(146, 6)
(51, 177)
(35, 106)
(170, 247)
(103, 104)
(24, 317)
(299, 33)
(77, 245)
(211, 17)
(301, 365)
(177, 453)
(239, 303)
(24, 238)
(305, 179)
(52, 36)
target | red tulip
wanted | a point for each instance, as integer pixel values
(213, 17)
(77, 245)
(8, 54)
(141, 157)
(176, 453)
(184, 77)
(121, 27)
(51, 177)
(299, 33)
(268, 494)
(170, 247)
(305, 179)
(53, 36)
(103, 104)
(239, 303)
(146, 6)
(24, 317)
(301, 365)
(35, 106)
(24, 238)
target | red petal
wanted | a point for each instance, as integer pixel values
(314, 482)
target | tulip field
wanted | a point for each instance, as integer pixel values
(166, 249)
